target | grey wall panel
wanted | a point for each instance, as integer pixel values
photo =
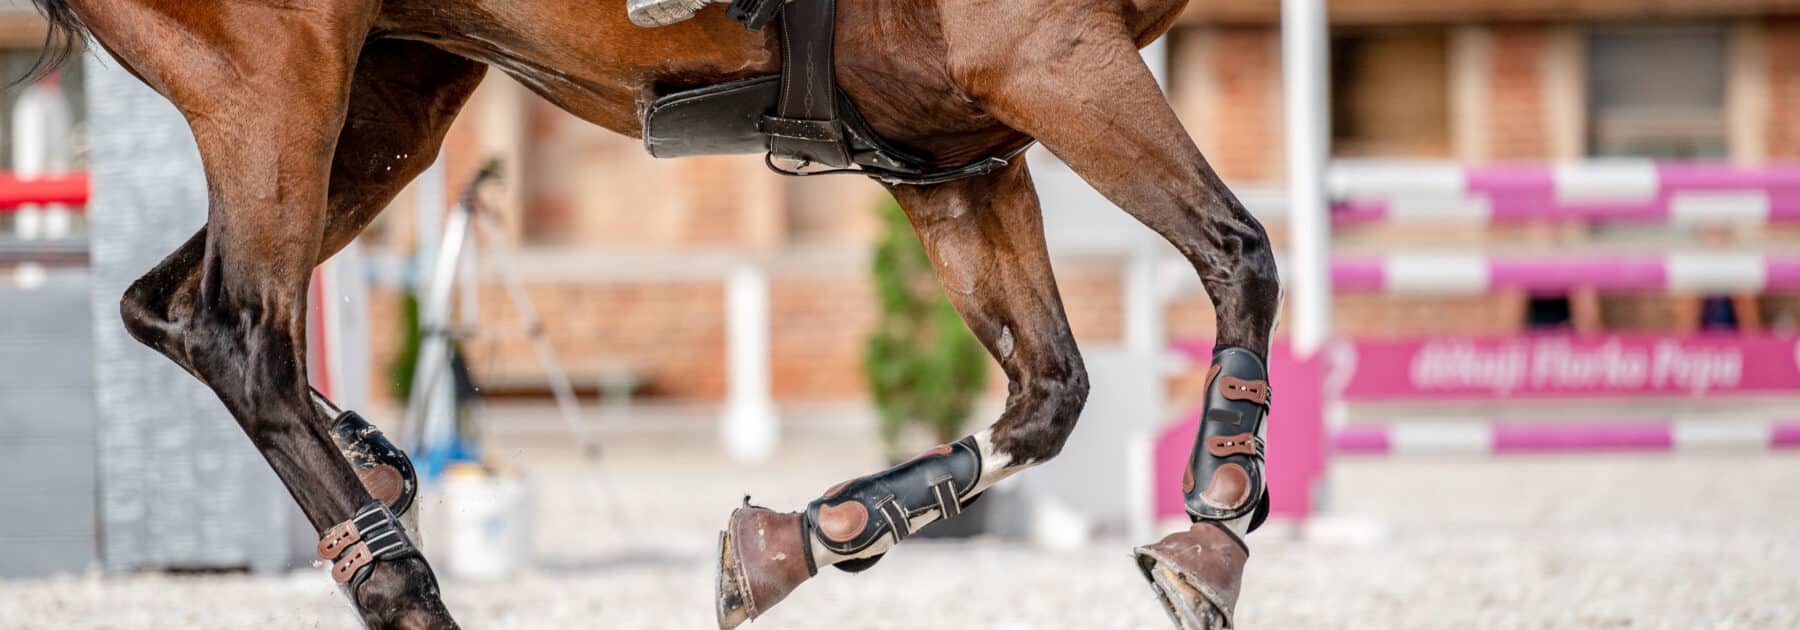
(50, 513)
(40, 364)
(45, 557)
(47, 455)
(61, 464)
(180, 484)
(62, 412)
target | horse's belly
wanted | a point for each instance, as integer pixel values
(584, 55)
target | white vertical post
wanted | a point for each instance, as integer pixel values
(344, 307)
(40, 127)
(431, 394)
(1146, 336)
(748, 426)
(1147, 341)
(1305, 82)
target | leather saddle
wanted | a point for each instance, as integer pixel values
(799, 119)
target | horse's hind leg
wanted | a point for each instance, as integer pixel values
(1069, 74)
(229, 304)
(985, 237)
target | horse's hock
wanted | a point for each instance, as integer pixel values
(179, 486)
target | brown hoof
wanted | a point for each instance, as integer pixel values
(762, 558)
(1196, 574)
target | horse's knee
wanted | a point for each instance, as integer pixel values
(1235, 260)
(1055, 394)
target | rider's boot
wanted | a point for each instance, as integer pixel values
(1196, 572)
(653, 13)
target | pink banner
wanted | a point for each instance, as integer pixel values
(1548, 366)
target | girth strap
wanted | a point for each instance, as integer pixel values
(806, 125)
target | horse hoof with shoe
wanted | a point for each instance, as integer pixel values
(1195, 574)
(762, 558)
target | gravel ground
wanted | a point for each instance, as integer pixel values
(1696, 540)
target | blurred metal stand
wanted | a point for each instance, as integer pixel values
(430, 423)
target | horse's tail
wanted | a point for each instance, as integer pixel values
(63, 37)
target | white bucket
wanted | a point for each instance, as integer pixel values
(487, 523)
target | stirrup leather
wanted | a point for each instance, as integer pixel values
(755, 14)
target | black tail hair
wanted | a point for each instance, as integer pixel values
(62, 39)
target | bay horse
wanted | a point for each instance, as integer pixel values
(311, 115)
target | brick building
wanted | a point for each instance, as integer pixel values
(627, 256)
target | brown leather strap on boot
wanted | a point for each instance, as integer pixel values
(353, 546)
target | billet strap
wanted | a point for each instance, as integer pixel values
(806, 125)
(372, 534)
(815, 128)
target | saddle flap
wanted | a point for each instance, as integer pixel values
(724, 119)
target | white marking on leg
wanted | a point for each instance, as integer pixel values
(995, 465)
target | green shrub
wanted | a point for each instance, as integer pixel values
(924, 366)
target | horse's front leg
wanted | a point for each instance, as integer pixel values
(229, 305)
(986, 239)
(1069, 74)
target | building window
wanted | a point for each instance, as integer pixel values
(1657, 91)
(1390, 92)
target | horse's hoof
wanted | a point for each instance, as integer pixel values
(1196, 574)
(730, 607)
(1187, 608)
(762, 558)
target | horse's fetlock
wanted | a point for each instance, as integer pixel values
(402, 594)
